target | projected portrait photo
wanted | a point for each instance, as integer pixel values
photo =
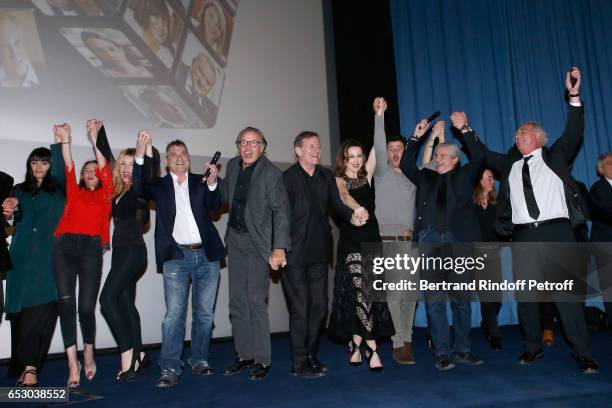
(163, 106)
(21, 56)
(201, 77)
(214, 25)
(159, 26)
(91, 8)
(109, 51)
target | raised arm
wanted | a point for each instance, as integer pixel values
(63, 134)
(104, 146)
(572, 136)
(437, 132)
(379, 150)
(93, 127)
(408, 164)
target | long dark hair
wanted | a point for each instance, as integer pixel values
(30, 184)
(342, 158)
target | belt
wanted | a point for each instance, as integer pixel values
(394, 238)
(192, 246)
(537, 224)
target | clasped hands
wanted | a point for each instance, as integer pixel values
(360, 217)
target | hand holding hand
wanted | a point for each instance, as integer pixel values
(93, 127)
(277, 260)
(143, 141)
(9, 206)
(459, 119)
(380, 106)
(62, 133)
(438, 130)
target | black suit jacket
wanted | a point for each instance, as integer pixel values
(202, 201)
(558, 158)
(302, 205)
(460, 212)
(600, 206)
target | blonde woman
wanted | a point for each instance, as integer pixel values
(129, 259)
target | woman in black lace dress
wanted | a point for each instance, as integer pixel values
(354, 313)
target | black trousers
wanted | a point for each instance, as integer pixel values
(118, 297)
(31, 333)
(76, 255)
(306, 293)
(535, 262)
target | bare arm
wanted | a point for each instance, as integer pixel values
(63, 134)
(436, 133)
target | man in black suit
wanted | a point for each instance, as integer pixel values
(600, 206)
(188, 246)
(311, 189)
(6, 187)
(539, 202)
(445, 214)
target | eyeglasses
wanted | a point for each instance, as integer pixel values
(252, 143)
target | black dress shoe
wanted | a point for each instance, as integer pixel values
(495, 342)
(314, 362)
(305, 370)
(259, 371)
(587, 364)
(529, 357)
(238, 366)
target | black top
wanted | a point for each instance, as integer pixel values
(309, 197)
(130, 215)
(351, 237)
(486, 218)
(241, 193)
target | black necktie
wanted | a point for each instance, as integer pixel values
(532, 205)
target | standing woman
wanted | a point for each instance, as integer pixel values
(130, 215)
(31, 296)
(485, 201)
(354, 313)
(82, 234)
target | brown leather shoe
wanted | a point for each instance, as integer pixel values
(548, 338)
(403, 354)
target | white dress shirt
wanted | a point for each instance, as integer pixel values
(547, 187)
(185, 226)
(609, 181)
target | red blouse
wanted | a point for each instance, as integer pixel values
(87, 212)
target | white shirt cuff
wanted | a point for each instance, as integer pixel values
(213, 187)
(139, 160)
(575, 103)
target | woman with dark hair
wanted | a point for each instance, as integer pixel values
(31, 296)
(159, 27)
(485, 201)
(354, 313)
(129, 260)
(117, 61)
(82, 234)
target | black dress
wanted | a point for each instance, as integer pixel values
(353, 311)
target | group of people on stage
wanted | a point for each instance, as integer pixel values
(279, 220)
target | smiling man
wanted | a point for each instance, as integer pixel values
(257, 238)
(311, 189)
(16, 69)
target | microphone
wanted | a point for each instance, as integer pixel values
(433, 116)
(213, 161)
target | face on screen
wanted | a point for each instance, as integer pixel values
(203, 75)
(212, 21)
(107, 51)
(158, 25)
(13, 57)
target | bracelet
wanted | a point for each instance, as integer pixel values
(68, 142)
(573, 95)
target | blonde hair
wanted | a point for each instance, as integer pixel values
(121, 187)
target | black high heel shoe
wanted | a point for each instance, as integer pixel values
(353, 348)
(29, 385)
(133, 372)
(369, 354)
(144, 364)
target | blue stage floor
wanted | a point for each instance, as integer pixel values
(553, 381)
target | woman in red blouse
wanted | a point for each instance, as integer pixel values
(83, 233)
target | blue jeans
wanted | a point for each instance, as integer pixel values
(435, 301)
(178, 273)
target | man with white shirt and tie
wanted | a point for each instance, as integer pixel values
(538, 203)
(189, 248)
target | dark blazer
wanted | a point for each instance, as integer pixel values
(202, 200)
(460, 211)
(558, 158)
(302, 206)
(600, 206)
(6, 187)
(267, 211)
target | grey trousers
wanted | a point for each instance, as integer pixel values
(402, 310)
(249, 284)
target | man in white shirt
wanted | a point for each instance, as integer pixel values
(538, 203)
(188, 246)
(15, 66)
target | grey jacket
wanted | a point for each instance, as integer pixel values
(267, 213)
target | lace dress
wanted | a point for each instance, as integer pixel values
(353, 311)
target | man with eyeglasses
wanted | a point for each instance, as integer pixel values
(395, 208)
(257, 238)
